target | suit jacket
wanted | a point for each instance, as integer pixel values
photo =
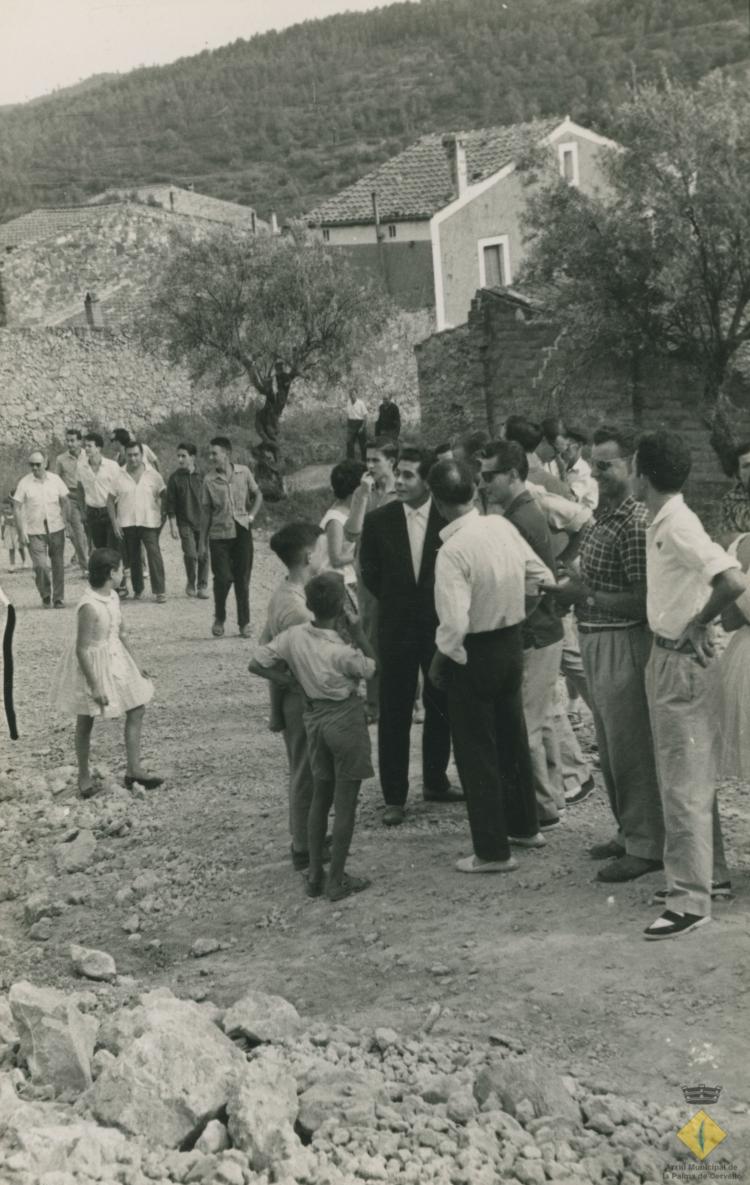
(406, 607)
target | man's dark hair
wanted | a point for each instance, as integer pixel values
(122, 436)
(740, 451)
(222, 442)
(422, 457)
(473, 442)
(385, 445)
(324, 595)
(134, 444)
(623, 437)
(73, 432)
(524, 431)
(345, 477)
(552, 427)
(441, 449)
(664, 458)
(292, 540)
(452, 482)
(579, 435)
(95, 438)
(187, 448)
(103, 561)
(507, 455)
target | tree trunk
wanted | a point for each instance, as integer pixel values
(722, 436)
(267, 421)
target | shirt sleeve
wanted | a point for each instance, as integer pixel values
(537, 571)
(252, 484)
(561, 513)
(19, 496)
(452, 602)
(63, 490)
(273, 652)
(633, 551)
(171, 497)
(160, 484)
(354, 663)
(697, 550)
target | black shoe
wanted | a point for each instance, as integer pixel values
(447, 794)
(581, 793)
(612, 850)
(672, 925)
(149, 782)
(393, 816)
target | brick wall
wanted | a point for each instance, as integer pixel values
(53, 377)
(507, 358)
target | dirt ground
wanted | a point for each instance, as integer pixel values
(545, 956)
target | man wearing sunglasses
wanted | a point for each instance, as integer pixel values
(40, 506)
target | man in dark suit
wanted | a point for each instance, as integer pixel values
(397, 562)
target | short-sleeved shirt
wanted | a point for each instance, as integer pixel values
(613, 558)
(139, 502)
(324, 665)
(682, 562)
(227, 501)
(66, 467)
(39, 500)
(287, 607)
(356, 410)
(734, 511)
(543, 626)
(99, 484)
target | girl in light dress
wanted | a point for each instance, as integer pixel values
(345, 479)
(97, 676)
(733, 672)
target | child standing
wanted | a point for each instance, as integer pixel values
(328, 671)
(98, 677)
(301, 547)
(10, 534)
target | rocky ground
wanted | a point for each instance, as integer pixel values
(438, 1029)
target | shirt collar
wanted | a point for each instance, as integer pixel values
(418, 511)
(675, 503)
(627, 505)
(458, 523)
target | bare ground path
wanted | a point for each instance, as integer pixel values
(546, 956)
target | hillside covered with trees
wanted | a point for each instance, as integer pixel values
(283, 120)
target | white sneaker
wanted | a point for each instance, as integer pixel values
(528, 841)
(473, 864)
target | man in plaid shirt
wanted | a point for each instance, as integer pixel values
(610, 600)
(733, 517)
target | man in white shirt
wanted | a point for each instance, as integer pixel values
(40, 506)
(484, 573)
(97, 479)
(689, 581)
(578, 471)
(356, 427)
(136, 509)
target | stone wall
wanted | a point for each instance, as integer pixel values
(507, 358)
(50, 378)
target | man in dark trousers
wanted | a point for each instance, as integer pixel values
(184, 491)
(486, 580)
(388, 422)
(397, 562)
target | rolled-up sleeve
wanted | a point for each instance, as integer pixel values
(452, 602)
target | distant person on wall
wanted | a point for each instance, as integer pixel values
(136, 509)
(388, 422)
(356, 427)
(230, 503)
(40, 507)
(10, 534)
(184, 513)
(66, 467)
(97, 478)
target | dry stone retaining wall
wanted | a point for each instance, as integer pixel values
(51, 378)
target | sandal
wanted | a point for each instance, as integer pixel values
(347, 886)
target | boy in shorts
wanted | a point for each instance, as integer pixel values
(303, 549)
(328, 670)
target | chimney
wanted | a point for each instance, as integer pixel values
(455, 151)
(253, 222)
(274, 223)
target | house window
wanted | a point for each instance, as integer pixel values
(391, 231)
(326, 235)
(568, 158)
(494, 262)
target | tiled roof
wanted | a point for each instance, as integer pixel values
(43, 223)
(194, 205)
(417, 182)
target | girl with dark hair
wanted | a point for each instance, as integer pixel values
(97, 676)
(345, 478)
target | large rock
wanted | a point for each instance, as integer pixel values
(341, 1094)
(171, 1079)
(262, 1108)
(83, 1149)
(57, 1041)
(261, 1018)
(76, 855)
(514, 1080)
(92, 964)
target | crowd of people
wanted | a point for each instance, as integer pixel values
(503, 582)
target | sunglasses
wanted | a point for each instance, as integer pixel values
(488, 474)
(35, 464)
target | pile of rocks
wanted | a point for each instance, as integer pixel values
(102, 1085)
